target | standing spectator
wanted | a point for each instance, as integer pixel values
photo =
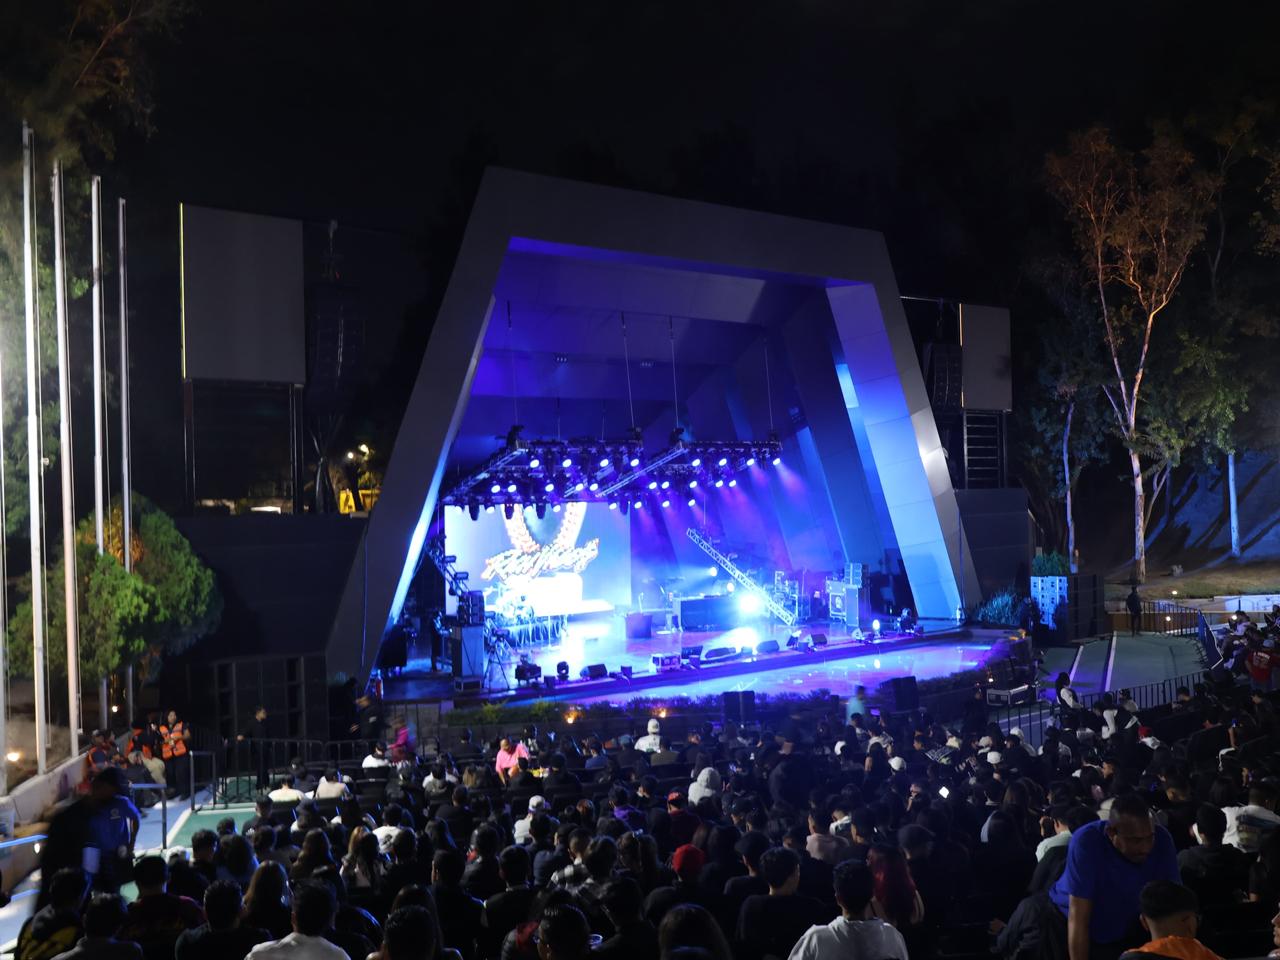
(255, 734)
(1133, 603)
(157, 918)
(770, 925)
(751, 847)
(103, 919)
(222, 934)
(402, 747)
(175, 739)
(1108, 864)
(313, 909)
(851, 934)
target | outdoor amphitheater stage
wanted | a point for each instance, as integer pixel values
(838, 665)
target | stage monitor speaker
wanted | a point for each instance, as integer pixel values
(639, 626)
(906, 696)
(688, 653)
(719, 653)
(596, 671)
(819, 639)
(739, 705)
(769, 646)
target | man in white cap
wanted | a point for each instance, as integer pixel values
(651, 742)
(537, 806)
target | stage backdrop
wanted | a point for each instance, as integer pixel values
(571, 562)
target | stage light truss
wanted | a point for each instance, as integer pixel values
(596, 471)
(728, 566)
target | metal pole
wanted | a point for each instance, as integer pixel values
(126, 488)
(33, 452)
(99, 456)
(65, 461)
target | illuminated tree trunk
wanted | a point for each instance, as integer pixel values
(1066, 480)
(1231, 502)
(1139, 520)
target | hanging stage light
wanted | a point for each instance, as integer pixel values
(473, 508)
(733, 483)
(511, 488)
(719, 483)
(637, 505)
(541, 511)
(556, 508)
(566, 463)
(580, 486)
(777, 460)
(665, 504)
(549, 486)
(693, 502)
(604, 462)
(496, 488)
(594, 486)
(695, 462)
(635, 462)
(693, 484)
(508, 510)
(625, 505)
(653, 484)
(665, 484)
(751, 461)
(535, 463)
(724, 462)
(489, 508)
(613, 504)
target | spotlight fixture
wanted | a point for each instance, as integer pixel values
(693, 502)
(604, 462)
(508, 510)
(535, 463)
(719, 483)
(635, 461)
(489, 508)
(562, 671)
(665, 484)
(695, 462)
(776, 461)
(541, 511)
(724, 461)
(474, 510)
(637, 505)
(594, 486)
(579, 486)
(613, 504)
(496, 488)
(751, 461)
(511, 488)
(549, 486)
(653, 484)
(566, 463)
(667, 503)
(693, 484)
(733, 483)
(556, 508)
(713, 571)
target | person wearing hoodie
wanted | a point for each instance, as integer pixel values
(851, 934)
(54, 929)
(651, 742)
(706, 786)
(1170, 912)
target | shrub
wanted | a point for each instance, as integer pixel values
(1050, 565)
(1007, 607)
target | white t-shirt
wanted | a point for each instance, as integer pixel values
(385, 836)
(285, 795)
(649, 743)
(373, 760)
(298, 947)
(1259, 821)
(841, 939)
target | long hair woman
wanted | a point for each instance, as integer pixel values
(266, 904)
(894, 895)
(364, 866)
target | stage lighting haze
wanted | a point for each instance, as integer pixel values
(749, 602)
(713, 571)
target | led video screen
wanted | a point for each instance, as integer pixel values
(574, 561)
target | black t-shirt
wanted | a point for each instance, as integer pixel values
(772, 925)
(664, 898)
(459, 918)
(736, 891)
(1215, 873)
(202, 943)
(637, 941)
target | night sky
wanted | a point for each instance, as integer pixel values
(927, 121)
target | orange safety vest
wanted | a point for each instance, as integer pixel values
(174, 744)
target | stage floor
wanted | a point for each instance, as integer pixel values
(838, 667)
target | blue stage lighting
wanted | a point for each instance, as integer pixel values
(693, 484)
(511, 488)
(665, 504)
(613, 506)
(695, 462)
(713, 571)
(566, 463)
(749, 602)
(496, 488)
(665, 484)
(594, 486)
(751, 461)
(604, 462)
(556, 508)
(719, 483)
(638, 504)
(489, 508)
(776, 461)
(549, 486)
(580, 486)
(535, 463)
(653, 484)
(724, 461)
(693, 502)
(635, 461)
(733, 483)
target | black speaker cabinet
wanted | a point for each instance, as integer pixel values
(904, 694)
(739, 705)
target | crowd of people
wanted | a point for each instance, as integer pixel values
(1121, 833)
